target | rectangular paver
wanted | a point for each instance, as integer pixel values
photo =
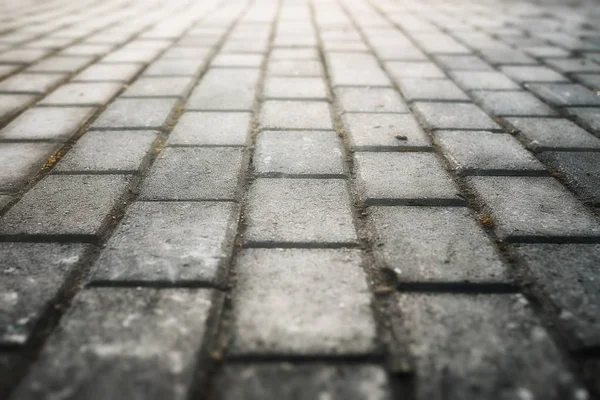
(22, 161)
(126, 113)
(278, 114)
(47, 123)
(211, 128)
(454, 116)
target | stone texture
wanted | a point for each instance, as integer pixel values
(435, 245)
(194, 174)
(87, 94)
(508, 356)
(295, 115)
(581, 170)
(411, 69)
(565, 94)
(110, 151)
(30, 83)
(295, 88)
(360, 69)
(488, 80)
(367, 99)
(589, 116)
(554, 134)
(65, 205)
(396, 131)
(31, 277)
(512, 104)
(225, 89)
(415, 89)
(175, 86)
(302, 301)
(136, 113)
(298, 153)
(309, 211)
(211, 128)
(11, 104)
(463, 62)
(190, 242)
(293, 67)
(454, 116)
(404, 178)
(47, 123)
(534, 207)
(60, 64)
(528, 73)
(134, 344)
(108, 73)
(21, 161)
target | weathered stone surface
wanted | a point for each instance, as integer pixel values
(372, 131)
(565, 94)
(411, 69)
(293, 67)
(302, 301)
(534, 207)
(176, 86)
(435, 245)
(109, 151)
(581, 170)
(60, 64)
(31, 83)
(302, 382)
(78, 94)
(454, 116)
(225, 89)
(529, 73)
(211, 128)
(295, 88)
(361, 69)
(298, 153)
(130, 344)
(276, 114)
(404, 178)
(21, 161)
(508, 356)
(11, 104)
(554, 134)
(463, 62)
(588, 115)
(126, 113)
(48, 123)
(237, 60)
(488, 80)
(31, 277)
(415, 89)
(512, 104)
(194, 174)
(190, 242)
(299, 211)
(108, 73)
(367, 99)
(65, 205)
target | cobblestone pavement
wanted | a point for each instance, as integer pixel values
(299, 199)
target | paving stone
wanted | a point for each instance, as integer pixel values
(194, 174)
(489, 80)
(173, 68)
(453, 116)
(568, 65)
(370, 100)
(566, 94)
(395, 131)
(11, 104)
(486, 153)
(65, 205)
(302, 301)
(211, 128)
(415, 89)
(127, 54)
(404, 178)
(110, 151)
(590, 116)
(355, 69)
(499, 55)
(21, 161)
(190, 242)
(299, 153)
(462, 62)
(299, 211)
(6, 70)
(60, 64)
(568, 277)
(225, 89)
(546, 51)
(31, 83)
(47, 123)
(77, 94)
(411, 69)
(435, 245)
(294, 67)
(508, 356)
(581, 170)
(534, 207)
(134, 344)
(159, 87)
(4, 200)
(276, 114)
(295, 88)
(276, 381)
(108, 72)
(136, 113)
(238, 60)
(283, 53)
(22, 55)
(554, 134)
(528, 73)
(512, 104)
(590, 80)
(193, 53)
(32, 275)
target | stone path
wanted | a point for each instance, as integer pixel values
(299, 199)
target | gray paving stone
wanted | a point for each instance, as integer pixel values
(567, 275)
(355, 69)
(238, 60)
(370, 100)
(110, 151)
(194, 174)
(486, 153)
(276, 381)
(590, 116)
(453, 116)
(533, 73)
(211, 128)
(411, 69)
(463, 62)
(4, 200)
(22, 55)
(372, 131)
(108, 72)
(65, 205)
(299, 153)
(190, 242)
(435, 245)
(534, 207)
(292, 301)
(283, 53)
(31, 83)
(21, 161)
(546, 51)
(294, 67)
(164, 68)
(159, 87)
(6, 70)
(590, 80)
(11, 104)
(295, 88)
(47, 123)
(512, 104)
(565, 94)
(489, 80)
(508, 356)
(279, 114)
(88, 94)
(136, 113)
(554, 134)
(404, 178)
(60, 64)
(32, 275)
(299, 211)
(568, 65)
(133, 344)
(415, 89)
(190, 53)
(581, 170)
(225, 89)
(499, 55)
